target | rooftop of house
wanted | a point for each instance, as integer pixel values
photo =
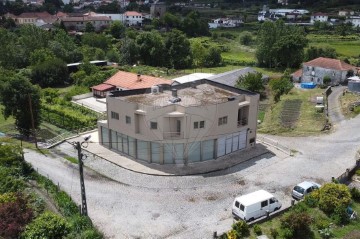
(35, 15)
(329, 63)
(132, 13)
(128, 80)
(297, 73)
(202, 94)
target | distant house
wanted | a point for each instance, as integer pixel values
(274, 14)
(190, 78)
(35, 18)
(79, 23)
(316, 69)
(344, 13)
(157, 9)
(231, 77)
(133, 18)
(225, 22)
(355, 20)
(319, 17)
(127, 81)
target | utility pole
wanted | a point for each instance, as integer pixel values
(32, 121)
(82, 184)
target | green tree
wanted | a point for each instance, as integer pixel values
(47, 225)
(296, 224)
(15, 95)
(41, 55)
(314, 52)
(193, 25)
(95, 40)
(32, 38)
(129, 51)
(198, 52)
(117, 29)
(170, 21)
(89, 27)
(178, 50)
(151, 48)
(252, 82)
(246, 38)
(213, 57)
(333, 196)
(281, 86)
(52, 72)
(277, 41)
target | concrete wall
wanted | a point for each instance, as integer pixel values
(317, 74)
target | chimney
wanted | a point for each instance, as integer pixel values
(138, 77)
(174, 93)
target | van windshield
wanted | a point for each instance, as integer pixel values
(242, 207)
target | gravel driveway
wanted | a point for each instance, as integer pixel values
(124, 204)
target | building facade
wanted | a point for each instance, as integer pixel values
(187, 123)
(319, 17)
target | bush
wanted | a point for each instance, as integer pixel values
(300, 207)
(232, 234)
(296, 224)
(47, 225)
(322, 223)
(257, 230)
(326, 233)
(357, 172)
(312, 199)
(274, 233)
(340, 216)
(241, 228)
(355, 194)
(246, 38)
(327, 80)
(14, 216)
(333, 196)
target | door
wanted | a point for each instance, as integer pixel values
(221, 146)
(264, 208)
(228, 144)
(242, 140)
(178, 127)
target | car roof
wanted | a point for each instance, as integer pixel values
(306, 184)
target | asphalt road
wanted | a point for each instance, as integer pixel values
(125, 204)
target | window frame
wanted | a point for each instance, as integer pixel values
(127, 119)
(153, 125)
(196, 125)
(202, 124)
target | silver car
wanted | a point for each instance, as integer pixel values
(303, 189)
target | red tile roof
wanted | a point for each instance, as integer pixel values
(128, 80)
(297, 73)
(86, 18)
(35, 15)
(329, 63)
(103, 87)
(132, 13)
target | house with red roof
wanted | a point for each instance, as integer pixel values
(133, 18)
(316, 69)
(78, 23)
(127, 81)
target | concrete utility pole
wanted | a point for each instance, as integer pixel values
(82, 183)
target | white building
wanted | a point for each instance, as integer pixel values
(133, 18)
(355, 20)
(319, 17)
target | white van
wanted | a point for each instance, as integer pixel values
(254, 205)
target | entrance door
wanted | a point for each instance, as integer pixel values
(178, 127)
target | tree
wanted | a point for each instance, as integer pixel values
(15, 95)
(14, 214)
(281, 86)
(246, 38)
(314, 52)
(41, 55)
(50, 73)
(151, 48)
(277, 41)
(178, 50)
(170, 21)
(332, 196)
(198, 52)
(213, 57)
(89, 27)
(193, 25)
(117, 29)
(252, 82)
(296, 224)
(47, 225)
(95, 40)
(130, 51)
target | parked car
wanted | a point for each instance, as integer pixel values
(254, 205)
(303, 189)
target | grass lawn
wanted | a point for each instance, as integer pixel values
(346, 100)
(310, 121)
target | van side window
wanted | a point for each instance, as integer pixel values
(264, 203)
(237, 204)
(272, 200)
(242, 207)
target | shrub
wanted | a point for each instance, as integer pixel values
(232, 234)
(333, 196)
(246, 38)
(7, 197)
(241, 228)
(296, 224)
(357, 172)
(355, 194)
(300, 207)
(326, 233)
(340, 216)
(326, 80)
(322, 223)
(312, 199)
(257, 230)
(47, 225)
(14, 216)
(274, 233)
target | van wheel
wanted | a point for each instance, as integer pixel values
(251, 219)
(276, 209)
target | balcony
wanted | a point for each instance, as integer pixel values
(173, 135)
(242, 122)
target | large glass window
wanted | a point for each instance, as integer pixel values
(105, 136)
(168, 154)
(119, 142)
(155, 152)
(208, 149)
(113, 139)
(143, 150)
(193, 150)
(125, 144)
(132, 143)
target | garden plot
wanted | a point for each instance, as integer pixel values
(290, 112)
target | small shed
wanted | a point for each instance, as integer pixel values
(100, 90)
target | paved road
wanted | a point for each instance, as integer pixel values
(124, 204)
(335, 114)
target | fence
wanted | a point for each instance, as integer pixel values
(275, 144)
(347, 175)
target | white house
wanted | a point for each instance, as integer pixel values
(355, 20)
(319, 17)
(133, 18)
